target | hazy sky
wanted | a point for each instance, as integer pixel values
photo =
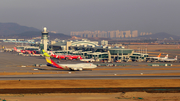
(64, 16)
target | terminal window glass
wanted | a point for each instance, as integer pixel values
(87, 49)
(77, 54)
(22, 48)
(89, 56)
(116, 52)
(104, 55)
(134, 57)
(94, 56)
(117, 58)
(60, 52)
(137, 54)
(32, 49)
(100, 50)
(145, 55)
(125, 53)
(85, 54)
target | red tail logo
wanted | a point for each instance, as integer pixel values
(159, 55)
(15, 48)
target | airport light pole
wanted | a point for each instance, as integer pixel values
(122, 56)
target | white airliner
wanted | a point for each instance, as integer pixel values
(7, 49)
(154, 58)
(78, 66)
(87, 60)
(169, 60)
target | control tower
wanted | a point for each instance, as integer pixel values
(45, 38)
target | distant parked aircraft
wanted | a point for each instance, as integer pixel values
(153, 58)
(27, 51)
(169, 60)
(16, 50)
(87, 60)
(71, 57)
(7, 49)
(67, 57)
(156, 58)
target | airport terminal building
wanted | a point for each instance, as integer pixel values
(91, 49)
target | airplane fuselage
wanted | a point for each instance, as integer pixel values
(78, 66)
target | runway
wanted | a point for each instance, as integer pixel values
(83, 77)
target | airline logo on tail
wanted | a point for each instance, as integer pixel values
(51, 62)
(159, 55)
(166, 56)
(15, 49)
(175, 58)
(51, 53)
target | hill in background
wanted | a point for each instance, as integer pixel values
(16, 31)
(31, 34)
(14, 28)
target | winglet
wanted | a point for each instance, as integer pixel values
(50, 61)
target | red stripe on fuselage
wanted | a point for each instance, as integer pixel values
(56, 65)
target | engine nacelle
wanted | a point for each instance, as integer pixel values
(80, 69)
(74, 68)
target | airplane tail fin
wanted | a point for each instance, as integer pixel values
(50, 61)
(33, 52)
(175, 58)
(51, 53)
(80, 57)
(15, 49)
(159, 55)
(166, 56)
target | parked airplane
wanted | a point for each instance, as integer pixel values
(156, 58)
(78, 66)
(153, 58)
(22, 51)
(169, 60)
(26, 51)
(87, 60)
(16, 50)
(7, 49)
(70, 57)
(36, 53)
